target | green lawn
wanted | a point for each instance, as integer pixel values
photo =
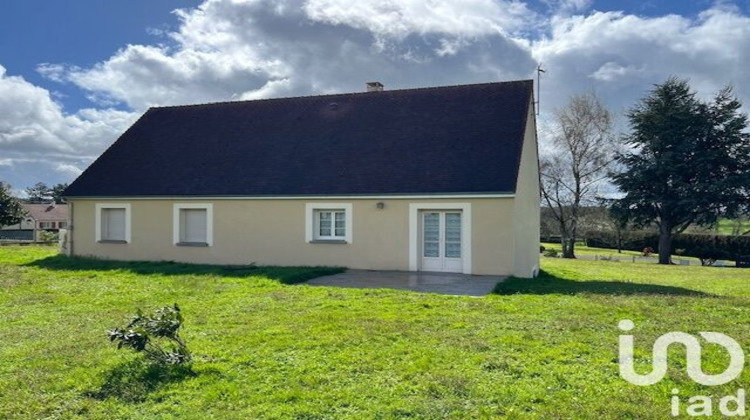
(582, 249)
(726, 226)
(544, 348)
(625, 256)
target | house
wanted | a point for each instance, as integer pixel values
(39, 217)
(431, 179)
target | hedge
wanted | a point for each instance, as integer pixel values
(692, 245)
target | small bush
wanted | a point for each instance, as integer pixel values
(47, 236)
(552, 252)
(542, 249)
(144, 332)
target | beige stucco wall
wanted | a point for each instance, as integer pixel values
(526, 211)
(272, 232)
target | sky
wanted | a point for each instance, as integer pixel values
(75, 74)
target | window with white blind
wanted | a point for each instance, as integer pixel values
(329, 222)
(113, 223)
(193, 224)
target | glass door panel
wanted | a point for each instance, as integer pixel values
(431, 236)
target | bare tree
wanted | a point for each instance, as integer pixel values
(577, 163)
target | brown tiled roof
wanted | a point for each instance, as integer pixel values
(47, 212)
(455, 139)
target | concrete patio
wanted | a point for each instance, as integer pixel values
(441, 283)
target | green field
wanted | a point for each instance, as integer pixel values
(584, 251)
(726, 226)
(544, 348)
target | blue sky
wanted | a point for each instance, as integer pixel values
(75, 74)
(79, 32)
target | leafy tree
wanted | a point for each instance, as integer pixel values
(57, 192)
(39, 193)
(576, 164)
(689, 161)
(11, 211)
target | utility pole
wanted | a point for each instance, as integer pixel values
(539, 71)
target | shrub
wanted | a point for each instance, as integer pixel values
(631, 240)
(542, 248)
(47, 236)
(689, 245)
(552, 252)
(144, 332)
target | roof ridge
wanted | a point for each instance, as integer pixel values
(406, 90)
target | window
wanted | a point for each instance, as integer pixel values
(46, 225)
(113, 223)
(62, 225)
(193, 224)
(328, 222)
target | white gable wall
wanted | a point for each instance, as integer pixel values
(526, 211)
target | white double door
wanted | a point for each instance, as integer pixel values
(441, 241)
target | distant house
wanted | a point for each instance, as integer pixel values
(39, 217)
(432, 179)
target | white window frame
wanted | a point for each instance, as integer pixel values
(317, 219)
(98, 219)
(176, 221)
(311, 225)
(414, 235)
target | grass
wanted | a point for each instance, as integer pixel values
(582, 249)
(727, 226)
(585, 251)
(544, 348)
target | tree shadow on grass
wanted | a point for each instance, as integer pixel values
(547, 283)
(285, 275)
(133, 381)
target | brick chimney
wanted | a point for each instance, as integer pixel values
(374, 87)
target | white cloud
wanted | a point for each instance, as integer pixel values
(37, 136)
(69, 169)
(229, 49)
(612, 71)
(54, 72)
(33, 123)
(401, 18)
(250, 49)
(620, 56)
